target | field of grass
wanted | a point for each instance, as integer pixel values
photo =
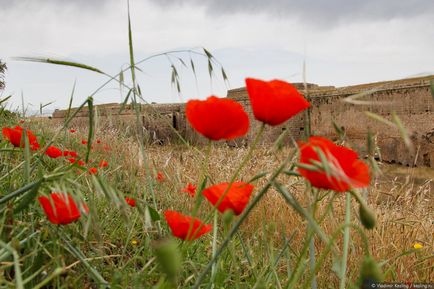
(131, 247)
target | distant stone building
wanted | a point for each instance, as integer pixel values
(411, 100)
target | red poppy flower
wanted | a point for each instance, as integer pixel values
(61, 208)
(217, 118)
(103, 164)
(93, 171)
(236, 197)
(160, 177)
(190, 189)
(53, 152)
(274, 102)
(72, 130)
(70, 153)
(22, 121)
(130, 201)
(15, 135)
(71, 160)
(84, 142)
(181, 225)
(345, 170)
(81, 164)
(98, 141)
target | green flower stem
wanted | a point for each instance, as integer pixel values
(236, 173)
(359, 198)
(16, 258)
(301, 211)
(312, 260)
(242, 164)
(202, 179)
(346, 241)
(237, 225)
(328, 247)
(214, 246)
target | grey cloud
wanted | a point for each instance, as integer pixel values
(41, 4)
(316, 11)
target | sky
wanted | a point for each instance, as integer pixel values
(341, 42)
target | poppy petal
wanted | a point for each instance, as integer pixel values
(217, 118)
(274, 102)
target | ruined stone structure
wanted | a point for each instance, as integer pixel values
(411, 100)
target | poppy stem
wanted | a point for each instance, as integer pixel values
(241, 166)
(214, 246)
(312, 260)
(234, 176)
(241, 219)
(342, 274)
(202, 179)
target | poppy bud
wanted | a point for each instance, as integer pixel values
(367, 217)
(169, 258)
(370, 272)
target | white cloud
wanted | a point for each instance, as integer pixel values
(249, 44)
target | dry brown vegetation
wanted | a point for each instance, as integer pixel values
(400, 196)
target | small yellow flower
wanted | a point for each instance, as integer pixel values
(134, 242)
(417, 246)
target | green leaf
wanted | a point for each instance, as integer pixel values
(91, 127)
(27, 199)
(257, 177)
(5, 99)
(308, 167)
(26, 155)
(155, 216)
(20, 191)
(91, 270)
(338, 130)
(125, 101)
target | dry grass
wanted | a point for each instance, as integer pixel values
(401, 198)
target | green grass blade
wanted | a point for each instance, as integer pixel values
(60, 62)
(379, 118)
(20, 191)
(18, 275)
(92, 271)
(91, 127)
(402, 131)
(5, 99)
(70, 100)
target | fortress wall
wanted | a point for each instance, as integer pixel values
(414, 107)
(410, 99)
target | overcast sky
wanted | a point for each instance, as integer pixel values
(343, 42)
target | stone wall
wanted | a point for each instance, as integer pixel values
(410, 99)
